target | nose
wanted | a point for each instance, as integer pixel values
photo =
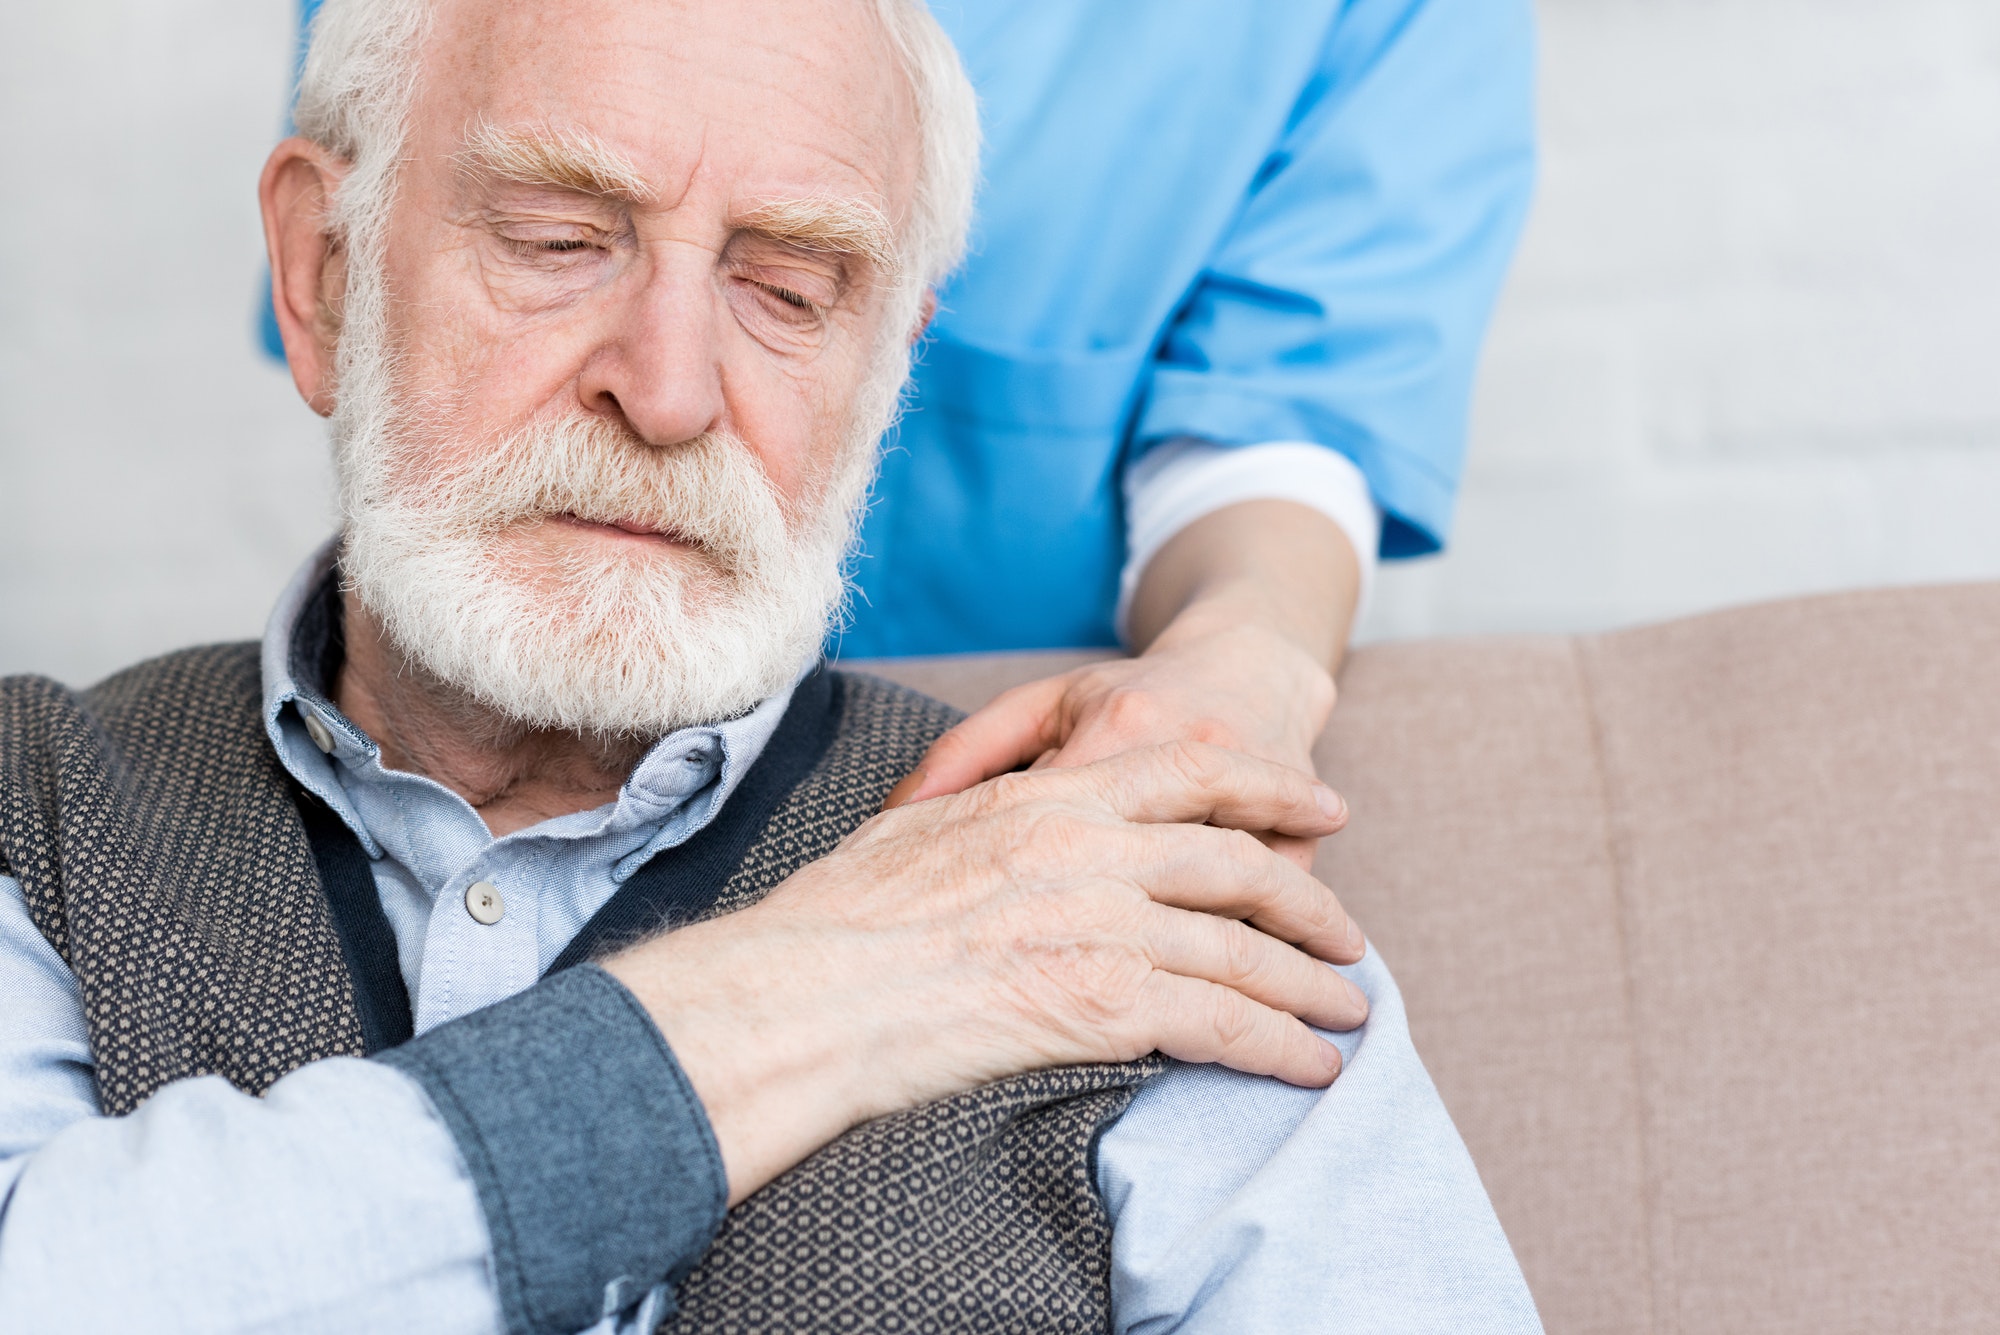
(658, 364)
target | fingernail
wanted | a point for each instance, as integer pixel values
(1330, 1055)
(1357, 998)
(1330, 802)
(1355, 941)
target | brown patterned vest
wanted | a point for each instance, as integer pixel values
(161, 850)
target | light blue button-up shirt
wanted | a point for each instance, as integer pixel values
(339, 1200)
(428, 846)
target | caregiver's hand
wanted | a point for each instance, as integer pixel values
(1242, 615)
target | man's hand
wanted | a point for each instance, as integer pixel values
(1094, 913)
(1242, 617)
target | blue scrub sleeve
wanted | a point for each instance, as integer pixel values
(1346, 305)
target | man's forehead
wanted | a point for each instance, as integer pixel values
(778, 97)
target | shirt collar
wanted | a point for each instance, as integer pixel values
(303, 644)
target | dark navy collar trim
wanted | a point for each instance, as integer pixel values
(680, 884)
(319, 643)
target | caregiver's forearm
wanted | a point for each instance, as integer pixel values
(1270, 564)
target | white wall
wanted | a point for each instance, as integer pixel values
(1752, 343)
(157, 477)
(1752, 346)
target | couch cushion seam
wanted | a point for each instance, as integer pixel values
(1609, 808)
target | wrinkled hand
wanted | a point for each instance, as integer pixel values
(1242, 687)
(1091, 913)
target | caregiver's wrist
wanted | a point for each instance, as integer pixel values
(1270, 650)
(1272, 565)
(1236, 605)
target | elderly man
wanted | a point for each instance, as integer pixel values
(608, 305)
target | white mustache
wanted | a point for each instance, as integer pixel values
(710, 491)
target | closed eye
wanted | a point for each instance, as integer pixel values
(789, 297)
(782, 306)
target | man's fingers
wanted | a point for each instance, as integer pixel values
(1299, 852)
(1200, 783)
(1232, 875)
(1017, 727)
(1262, 968)
(1199, 1021)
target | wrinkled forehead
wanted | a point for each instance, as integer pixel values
(766, 99)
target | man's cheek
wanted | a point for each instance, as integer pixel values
(779, 427)
(467, 392)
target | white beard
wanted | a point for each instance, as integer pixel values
(609, 638)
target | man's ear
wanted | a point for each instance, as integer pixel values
(308, 264)
(925, 315)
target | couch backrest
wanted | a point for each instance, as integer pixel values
(1699, 928)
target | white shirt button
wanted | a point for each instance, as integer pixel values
(483, 902)
(321, 734)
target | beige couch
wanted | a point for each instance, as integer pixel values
(1699, 926)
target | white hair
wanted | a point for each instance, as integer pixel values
(360, 80)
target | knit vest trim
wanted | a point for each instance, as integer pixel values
(163, 851)
(367, 941)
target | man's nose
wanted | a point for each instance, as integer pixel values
(659, 365)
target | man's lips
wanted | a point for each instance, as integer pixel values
(631, 526)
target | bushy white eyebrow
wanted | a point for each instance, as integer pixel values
(829, 225)
(577, 160)
(568, 158)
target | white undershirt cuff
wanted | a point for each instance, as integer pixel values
(1180, 481)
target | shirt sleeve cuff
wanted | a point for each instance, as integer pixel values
(1180, 481)
(593, 1159)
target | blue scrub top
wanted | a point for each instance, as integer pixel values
(1245, 220)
